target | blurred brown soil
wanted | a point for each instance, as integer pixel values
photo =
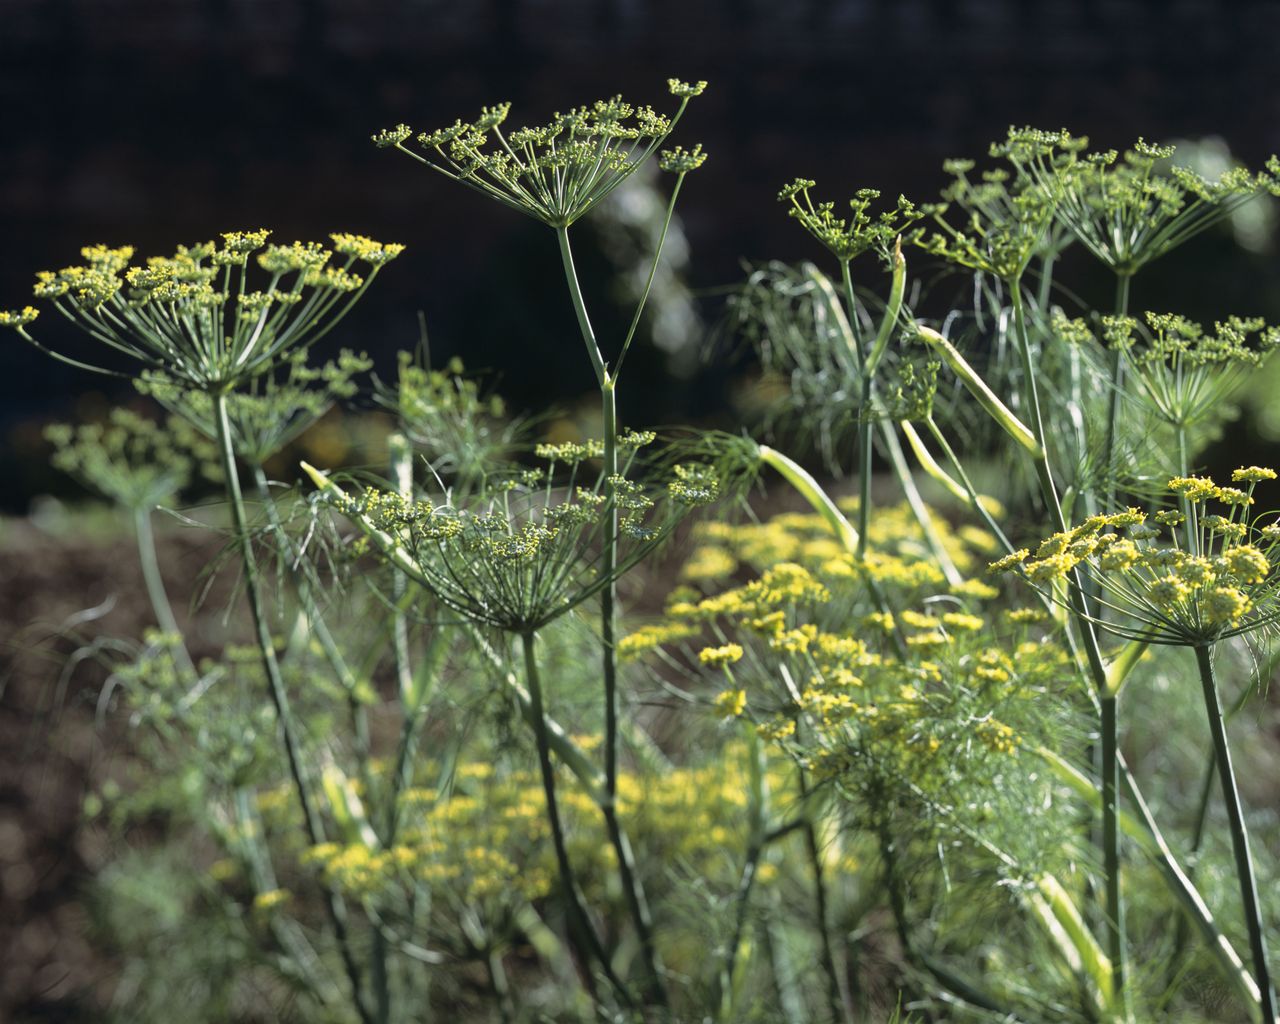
(61, 588)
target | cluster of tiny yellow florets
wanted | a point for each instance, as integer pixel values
(1185, 574)
(488, 837)
(555, 172)
(804, 653)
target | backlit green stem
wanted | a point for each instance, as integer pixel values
(800, 478)
(889, 433)
(1239, 836)
(637, 904)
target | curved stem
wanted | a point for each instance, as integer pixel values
(580, 308)
(1239, 835)
(156, 592)
(937, 550)
(279, 696)
(653, 272)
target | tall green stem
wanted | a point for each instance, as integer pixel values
(1109, 716)
(279, 696)
(576, 912)
(1239, 835)
(865, 437)
(637, 904)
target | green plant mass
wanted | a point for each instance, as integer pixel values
(507, 719)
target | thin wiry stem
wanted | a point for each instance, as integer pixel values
(579, 921)
(653, 271)
(637, 903)
(840, 1008)
(279, 696)
(1108, 715)
(1113, 398)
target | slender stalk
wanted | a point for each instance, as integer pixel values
(889, 433)
(1206, 793)
(1117, 382)
(653, 272)
(1111, 846)
(279, 696)
(866, 435)
(156, 592)
(1046, 280)
(1239, 835)
(637, 903)
(1184, 506)
(580, 922)
(852, 341)
(840, 1007)
(413, 693)
(1108, 717)
(318, 628)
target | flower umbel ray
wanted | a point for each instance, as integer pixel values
(201, 316)
(1210, 578)
(555, 172)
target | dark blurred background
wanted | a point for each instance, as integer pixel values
(152, 122)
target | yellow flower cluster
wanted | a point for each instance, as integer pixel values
(488, 839)
(720, 657)
(1211, 576)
